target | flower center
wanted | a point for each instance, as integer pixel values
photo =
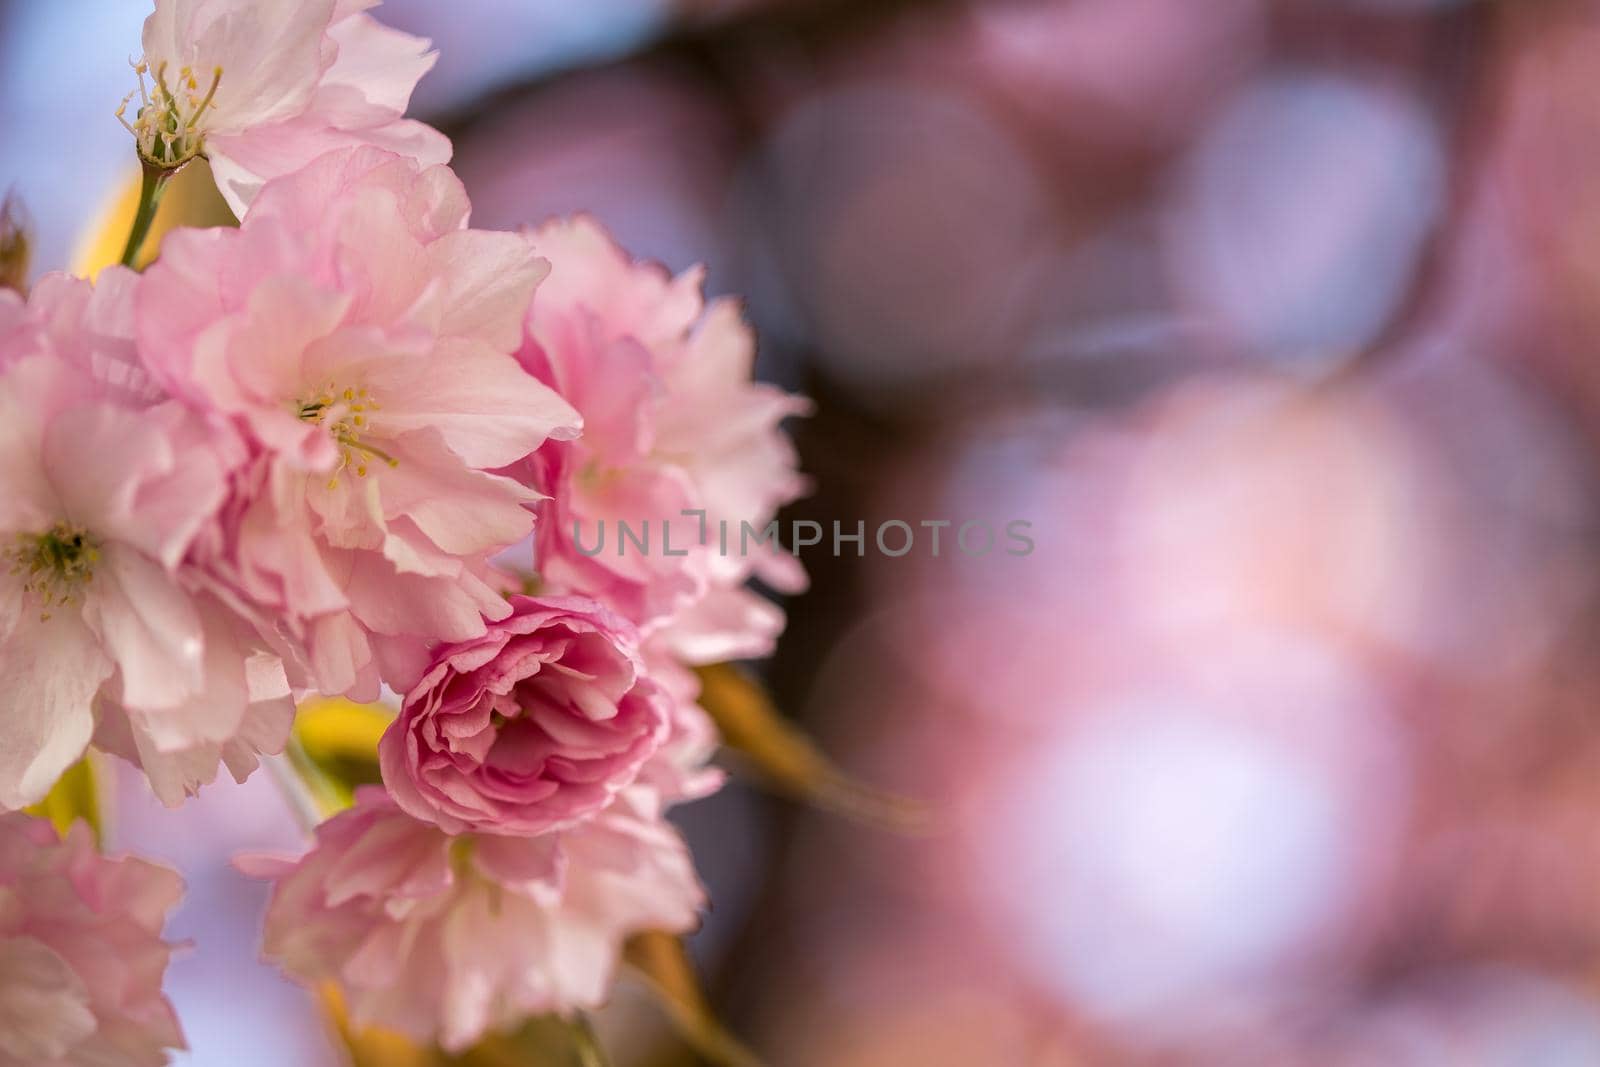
(54, 565)
(167, 126)
(346, 413)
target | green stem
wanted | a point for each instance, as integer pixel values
(151, 186)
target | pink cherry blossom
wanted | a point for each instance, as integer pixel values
(81, 954)
(679, 770)
(104, 628)
(448, 938)
(534, 726)
(359, 338)
(673, 423)
(87, 326)
(13, 314)
(263, 87)
(101, 504)
(246, 711)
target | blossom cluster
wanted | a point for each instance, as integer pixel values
(339, 450)
(81, 953)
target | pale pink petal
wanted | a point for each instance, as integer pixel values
(81, 953)
(44, 1006)
(356, 342)
(117, 474)
(52, 669)
(513, 927)
(487, 410)
(29, 503)
(484, 283)
(292, 81)
(380, 64)
(461, 513)
(535, 725)
(271, 54)
(151, 630)
(675, 434)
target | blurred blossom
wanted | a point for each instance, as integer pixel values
(1038, 616)
(1441, 516)
(895, 1000)
(484, 44)
(1552, 136)
(235, 1008)
(1231, 505)
(1186, 737)
(1509, 511)
(1253, 503)
(1487, 1017)
(609, 145)
(903, 216)
(1544, 160)
(1403, 7)
(1301, 216)
(1117, 74)
(1102, 313)
(1186, 850)
(1228, 505)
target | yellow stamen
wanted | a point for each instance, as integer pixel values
(343, 412)
(54, 565)
(168, 127)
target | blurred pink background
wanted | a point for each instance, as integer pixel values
(1278, 321)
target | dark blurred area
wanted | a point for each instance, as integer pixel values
(1278, 321)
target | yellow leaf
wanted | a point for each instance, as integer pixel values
(16, 244)
(191, 199)
(663, 961)
(546, 1041)
(372, 1047)
(76, 795)
(335, 749)
(791, 762)
(342, 729)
